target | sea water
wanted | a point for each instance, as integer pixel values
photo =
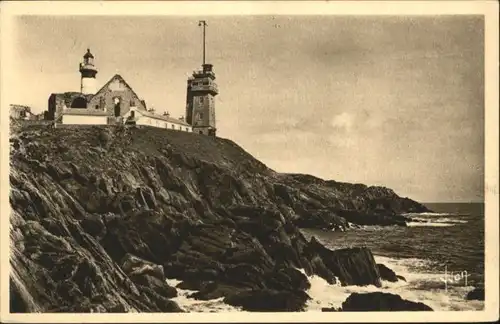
(440, 254)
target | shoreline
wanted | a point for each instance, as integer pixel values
(324, 295)
(425, 278)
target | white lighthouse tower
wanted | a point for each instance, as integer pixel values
(88, 72)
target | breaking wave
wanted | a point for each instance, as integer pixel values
(431, 224)
(429, 214)
(420, 286)
(424, 287)
(200, 306)
(431, 219)
(441, 220)
(417, 253)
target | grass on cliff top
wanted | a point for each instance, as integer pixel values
(215, 150)
(148, 140)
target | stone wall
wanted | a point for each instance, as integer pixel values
(34, 122)
(84, 120)
(105, 99)
(204, 110)
(59, 101)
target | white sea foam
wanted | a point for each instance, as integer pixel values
(424, 220)
(202, 306)
(402, 266)
(372, 228)
(430, 224)
(428, 214)
(440, 220)
(325, 295)
(420, 286)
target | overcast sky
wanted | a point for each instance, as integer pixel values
(387, 101)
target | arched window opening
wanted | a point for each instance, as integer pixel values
(79, 102)
(117, 109)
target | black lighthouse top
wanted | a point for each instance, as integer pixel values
(88, 54)
(87, 67)
(88, 59)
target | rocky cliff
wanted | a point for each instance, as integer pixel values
(101, 216)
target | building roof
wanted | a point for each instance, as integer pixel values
(119, 77)
(162, 117)
(69, 96)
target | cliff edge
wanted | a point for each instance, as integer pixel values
(102, 215)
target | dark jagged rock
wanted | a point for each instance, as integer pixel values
(162, 303)
(101, 216)
(379, 301)
(147, 274)
(387, 273)
(401, 277)
(476, 294)
(322, 219)
(266, 300)
(353, 266)
(94, 225)
(287, 279)
(318, 266)
(198, 284)
(134, 266)
(331, 309)
(213, 290)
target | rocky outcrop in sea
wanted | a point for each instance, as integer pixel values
(380, 301)
(102, 216)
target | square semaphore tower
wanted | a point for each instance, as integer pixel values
(200, 105)
(200, 99)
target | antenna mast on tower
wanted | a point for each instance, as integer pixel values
(204, 24)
